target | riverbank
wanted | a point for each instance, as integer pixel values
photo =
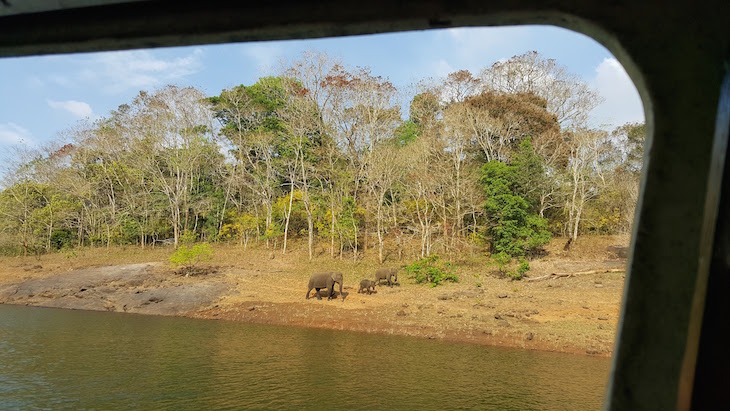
(574, 314)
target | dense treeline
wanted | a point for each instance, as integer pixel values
(498, 160)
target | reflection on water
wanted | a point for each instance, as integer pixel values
(60, 359)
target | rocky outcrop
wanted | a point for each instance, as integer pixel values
(134, 288)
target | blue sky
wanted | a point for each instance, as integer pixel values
(43, 96)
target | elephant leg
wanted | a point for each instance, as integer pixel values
(308, 291)
(319, 296)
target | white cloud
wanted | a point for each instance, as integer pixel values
(11, 133)
(264, 55)
(622, 102)
(474, 46)
(119, 71)
(77, 108)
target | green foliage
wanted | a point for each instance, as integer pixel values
(348, 221)
(188, 237)
(406, 133)
(431, 270)
(127, 232)
(192, 256)
(514, 228)
(504, 261)
(633, 135)
(524, 267)
(239, 225)
(62, 239)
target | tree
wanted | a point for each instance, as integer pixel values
(513, 227)
(17, 205)
(175, 128)
(568, 97)
(585, 174)
(302, 125)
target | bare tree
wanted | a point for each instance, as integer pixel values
(568, 97)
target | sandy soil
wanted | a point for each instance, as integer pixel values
(576, 314)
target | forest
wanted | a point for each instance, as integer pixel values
(338, 159)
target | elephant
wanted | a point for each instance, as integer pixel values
(366, 285)
(386, 274)
(319, 281)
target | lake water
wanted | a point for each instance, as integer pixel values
(62, 359)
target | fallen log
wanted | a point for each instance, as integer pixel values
(568, 275)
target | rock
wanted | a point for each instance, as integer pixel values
(592, 352)
(497, 317)
(251, 308)
(401, 313)
(599, 285)
(585, 307)
(503, 295)
(603, 318)
(404, 305)
(443, 297)
(529, 336)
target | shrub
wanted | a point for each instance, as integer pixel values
(61, 239)
(503, 260)
(524, 267)
(431, 270)
(187, 258)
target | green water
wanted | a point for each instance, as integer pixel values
(61, 359)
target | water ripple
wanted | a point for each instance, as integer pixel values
(59, 359)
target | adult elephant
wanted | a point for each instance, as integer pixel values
(386, 274)
(319, 281)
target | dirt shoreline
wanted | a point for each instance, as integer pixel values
(576, 314)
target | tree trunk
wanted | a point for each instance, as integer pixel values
(332, 230)
(310, 228)
(288, 214)
(380, 234)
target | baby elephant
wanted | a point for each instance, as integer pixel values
(366, 285)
